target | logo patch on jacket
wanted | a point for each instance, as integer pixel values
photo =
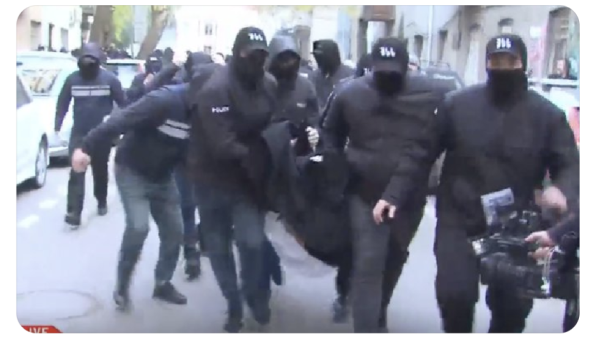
(219, 110)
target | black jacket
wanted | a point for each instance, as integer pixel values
(156, 133)
(296, 98)
(388, 137)
(308, 196)
(490, 148)
(325, 83)
(93, 98)
(226, 126)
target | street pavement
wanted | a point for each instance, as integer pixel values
(65, 278)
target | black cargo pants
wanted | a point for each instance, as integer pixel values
(457, 288)
(76, 185)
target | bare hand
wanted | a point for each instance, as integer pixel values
(313, 137)
(381, 209)
(148, 78)
(80, 161)
(541, 253)
(541, 238)
(552, 197)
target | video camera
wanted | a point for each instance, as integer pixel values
(505, 259)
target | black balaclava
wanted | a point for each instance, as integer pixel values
(390, 65)
(507, 84)
(364, 65)
(90, 60)
(285, 66)
(153, 65)
(249, 69)
(168, 55)
(327, 56)
(193, 61)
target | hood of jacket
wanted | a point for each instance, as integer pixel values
(193, 62)
(92, 50)
(330, 50)
(279, 45)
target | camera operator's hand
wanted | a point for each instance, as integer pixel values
(382, 211)
(553, 198)
(541, 253)
(542, 238)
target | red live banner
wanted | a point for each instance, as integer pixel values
(41, 329)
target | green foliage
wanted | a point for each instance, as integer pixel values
(123, 24)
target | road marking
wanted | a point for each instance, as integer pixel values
(48, 204)
(28, 221)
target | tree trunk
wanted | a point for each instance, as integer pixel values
(102, 26)
(160, 19)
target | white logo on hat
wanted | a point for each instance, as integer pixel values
(503, 43)
(256, 36)
(387, 52)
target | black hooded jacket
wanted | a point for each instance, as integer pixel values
(296, 97)
(325, 83)
(93, 97)
(226, 126)
(156, 129)
(137, 89)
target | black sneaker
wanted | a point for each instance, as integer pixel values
(235, 313)
(169, 294)
(340, 311)
(121, 298)
(102, 209)
(192, 269)
(73, 220)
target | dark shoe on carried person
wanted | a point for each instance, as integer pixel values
(192, 262)
(122, 300)
(261, 311)
(73, 220)
(102, 209)
(167, 292)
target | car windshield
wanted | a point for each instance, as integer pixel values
(125, 72)
(41, 81)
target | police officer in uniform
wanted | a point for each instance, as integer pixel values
(379, 116)
(499, 137)
(94, 91)
(156, 137)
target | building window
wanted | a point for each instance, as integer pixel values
(207, 49)
(442, 38)
(36, 34)
(208, 29)
(50, 36)
(505, 26)
(418, 46)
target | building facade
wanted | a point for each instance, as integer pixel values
(53, 27)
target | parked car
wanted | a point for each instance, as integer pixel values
(45, 80)
(27, 57)
(125, 69)
(32, 140)
(452, 81)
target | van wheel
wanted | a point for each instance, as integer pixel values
(41, 165)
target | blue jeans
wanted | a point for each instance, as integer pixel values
(141, 199)
(228, 216)
(188, 208)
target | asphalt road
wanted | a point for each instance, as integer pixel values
(65, 278)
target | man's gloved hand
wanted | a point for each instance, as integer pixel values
(313, 137)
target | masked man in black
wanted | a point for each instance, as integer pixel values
(331, 69)
(232, 109)
(500, 140)
(140, 82)
(155, 143)
(94, 91)
(378, 116)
